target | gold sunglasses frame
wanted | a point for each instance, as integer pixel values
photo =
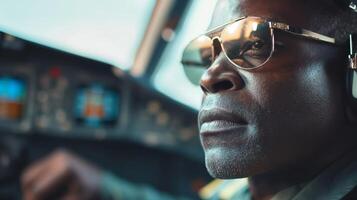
(214, 34)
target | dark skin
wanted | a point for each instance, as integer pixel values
(288, 116)
(61, 175)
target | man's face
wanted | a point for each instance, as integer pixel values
(282, 115)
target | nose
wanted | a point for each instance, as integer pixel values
(221, 75)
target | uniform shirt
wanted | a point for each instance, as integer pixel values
(334, 183)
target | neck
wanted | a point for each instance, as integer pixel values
(265, 186)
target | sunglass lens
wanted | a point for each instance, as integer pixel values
(197, 57)
(248, 42)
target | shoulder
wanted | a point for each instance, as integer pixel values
(338, 181)
(351, 195)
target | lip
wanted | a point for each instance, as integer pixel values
(219, 126)
(217, 120)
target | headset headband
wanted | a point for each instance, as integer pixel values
(352, 4)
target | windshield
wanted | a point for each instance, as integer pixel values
(169, 77)
(106, 30)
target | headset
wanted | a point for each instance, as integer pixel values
(352, 63)
(352, 71)
(352, 4)
(351, 79)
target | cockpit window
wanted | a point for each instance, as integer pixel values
(107, 30)
(169, 77)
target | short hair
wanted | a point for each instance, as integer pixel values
(329, 17)
(334, 20)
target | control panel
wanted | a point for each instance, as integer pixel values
(48, 92)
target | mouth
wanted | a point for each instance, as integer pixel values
(216, 121)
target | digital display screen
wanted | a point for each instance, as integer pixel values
(12, 97)
(96, 105)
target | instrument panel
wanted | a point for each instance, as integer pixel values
(48, 92)
(73, 100)
(60, 98)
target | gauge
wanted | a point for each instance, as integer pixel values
(96, 105)
(12, 97)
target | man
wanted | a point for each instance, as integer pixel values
(279, 119)
(275, 107)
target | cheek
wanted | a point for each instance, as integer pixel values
(301, 107)
(301, 94)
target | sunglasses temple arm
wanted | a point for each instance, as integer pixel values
(302, 32)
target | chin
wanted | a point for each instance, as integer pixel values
(225, 163)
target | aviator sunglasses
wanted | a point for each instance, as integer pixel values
(247, 43)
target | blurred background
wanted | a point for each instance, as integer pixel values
(103, 80)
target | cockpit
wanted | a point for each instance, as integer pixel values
(101, 79)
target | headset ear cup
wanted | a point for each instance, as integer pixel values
(354, 84)
(352, 91)
(352, 75)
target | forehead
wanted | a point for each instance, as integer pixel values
(294, 12)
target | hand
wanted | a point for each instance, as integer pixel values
(63, 176)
